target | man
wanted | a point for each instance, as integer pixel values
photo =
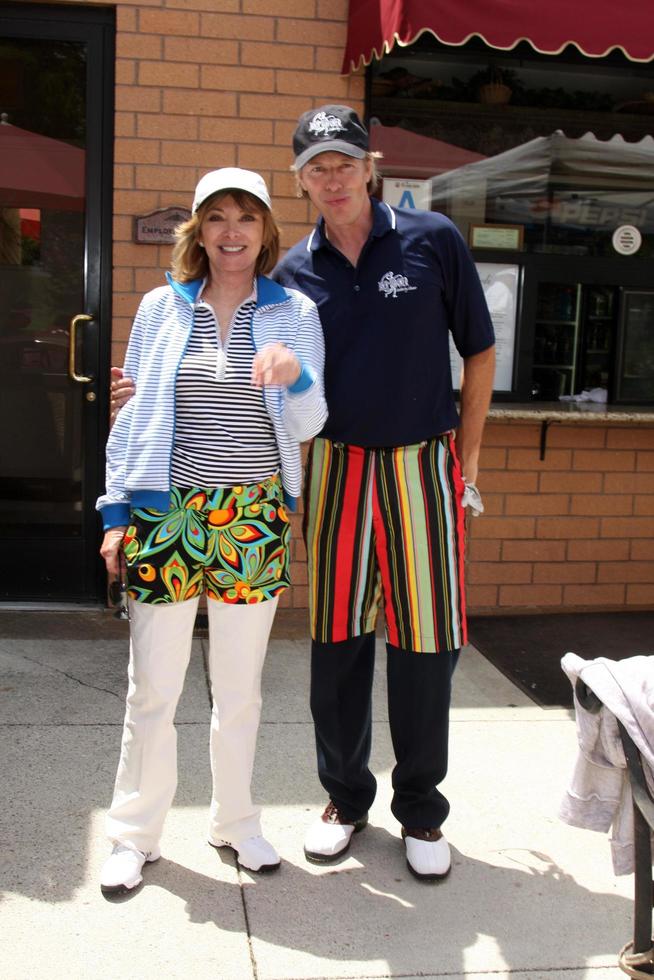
(383, 496)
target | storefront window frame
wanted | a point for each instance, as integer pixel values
(634, 272)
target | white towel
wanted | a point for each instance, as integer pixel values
(599, 795)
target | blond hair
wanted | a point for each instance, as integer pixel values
(189, 259)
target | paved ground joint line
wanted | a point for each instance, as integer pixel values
(535, 971)
(244, 904)
(81, 724)
(71, 677)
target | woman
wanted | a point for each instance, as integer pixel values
(201, 464)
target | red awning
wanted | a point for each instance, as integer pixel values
(594, 26)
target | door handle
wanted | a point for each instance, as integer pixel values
(72, 348)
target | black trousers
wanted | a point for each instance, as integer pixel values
(419, 686)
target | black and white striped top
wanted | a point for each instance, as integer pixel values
(223, 433)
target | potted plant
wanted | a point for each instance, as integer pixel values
(494, 85)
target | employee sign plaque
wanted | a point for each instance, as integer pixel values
(158, 227)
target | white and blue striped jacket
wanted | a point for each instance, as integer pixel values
(139, 448)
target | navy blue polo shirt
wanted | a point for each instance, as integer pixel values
(386, 324)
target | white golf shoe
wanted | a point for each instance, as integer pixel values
(329, 837)
(427, 853)
(253, 853)
(122, 870)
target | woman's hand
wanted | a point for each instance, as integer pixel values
(111, 549)
(122, 390)
(276, 364)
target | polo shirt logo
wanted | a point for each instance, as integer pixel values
(392, 283)
(324, 125)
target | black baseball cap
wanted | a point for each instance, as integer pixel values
(331, 127)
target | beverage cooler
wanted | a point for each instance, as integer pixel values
(634, 375)
(590, 336)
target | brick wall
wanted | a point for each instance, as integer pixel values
(574, 531)
(202, 84)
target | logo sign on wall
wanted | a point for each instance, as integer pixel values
(158, 227)
(403, 193)
(627, 239)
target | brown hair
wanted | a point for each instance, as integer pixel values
(189, 259)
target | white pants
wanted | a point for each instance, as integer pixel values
(160, 649)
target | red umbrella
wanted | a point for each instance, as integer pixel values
(30, 222)
(39, 172)
(408, 154)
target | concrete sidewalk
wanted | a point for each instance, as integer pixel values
(528, 897)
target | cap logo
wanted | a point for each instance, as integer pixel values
(324, 125)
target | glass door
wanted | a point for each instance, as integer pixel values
(635, 372)
(556, 339)
(54, 293)
(597, 347)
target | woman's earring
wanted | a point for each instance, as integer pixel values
(201, 244)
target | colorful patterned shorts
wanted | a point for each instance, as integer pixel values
(230, 542)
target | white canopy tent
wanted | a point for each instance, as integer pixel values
(583, 181)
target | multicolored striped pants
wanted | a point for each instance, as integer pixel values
(386, 526)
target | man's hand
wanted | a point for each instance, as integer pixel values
(122, 390)
(111, 549)
(276, 364)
